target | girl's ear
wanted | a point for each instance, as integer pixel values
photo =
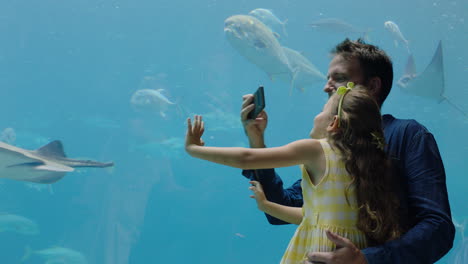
(333, 126)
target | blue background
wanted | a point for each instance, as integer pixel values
(69, 68)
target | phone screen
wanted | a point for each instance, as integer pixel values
(259, 102)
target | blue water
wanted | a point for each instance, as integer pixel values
(69, 68)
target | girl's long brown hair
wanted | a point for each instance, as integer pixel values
(360, 141)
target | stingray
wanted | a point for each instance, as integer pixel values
(47, 164)
(430, 83)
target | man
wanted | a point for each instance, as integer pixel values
(425, 210)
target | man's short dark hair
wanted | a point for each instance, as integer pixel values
(373, 61)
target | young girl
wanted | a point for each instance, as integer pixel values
(346, 177)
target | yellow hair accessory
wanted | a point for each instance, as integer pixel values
(343, 91)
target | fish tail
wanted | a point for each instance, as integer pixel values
(27, 254)
(293, 83)
(457, 107)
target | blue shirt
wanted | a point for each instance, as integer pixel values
(424, 204)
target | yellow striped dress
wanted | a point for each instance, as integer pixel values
(325, 208)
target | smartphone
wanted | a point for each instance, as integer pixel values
(259, 102)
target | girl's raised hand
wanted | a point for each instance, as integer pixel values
(194, 132)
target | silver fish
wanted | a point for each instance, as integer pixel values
(339, 26)
(151, 100)
(270, 20)
(256, 42)
(393, 28)
(304, 72)
(18, 224)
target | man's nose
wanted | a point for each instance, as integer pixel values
(329, 87)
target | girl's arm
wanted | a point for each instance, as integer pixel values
(288, 214)
(297, 152)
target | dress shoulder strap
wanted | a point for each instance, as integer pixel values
(326, 147)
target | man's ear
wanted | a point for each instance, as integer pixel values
(374, 86)
(333, 126)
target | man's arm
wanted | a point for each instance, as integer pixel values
(432, 232)
(272, 183)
